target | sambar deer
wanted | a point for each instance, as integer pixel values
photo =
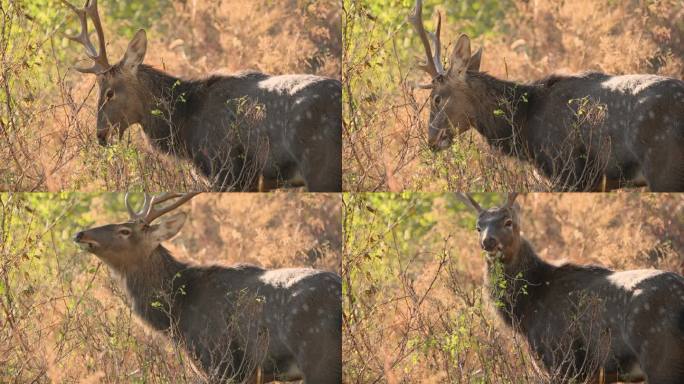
(586, 323)
(240, 324)
(244, 132)
(585, 132)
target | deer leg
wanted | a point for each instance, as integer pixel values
(267, 184)
(256, 378)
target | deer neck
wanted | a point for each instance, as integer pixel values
(513, 286)
(153, 287)
(501, 112)
(165, 99)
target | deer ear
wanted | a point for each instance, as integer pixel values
(460, 55)
(135, 53)
(169, 227)
(474, 63)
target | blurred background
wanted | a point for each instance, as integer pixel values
(386, 118)
(47, 110)
(63, 319)
(413, 270)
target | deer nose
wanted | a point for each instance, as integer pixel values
(439, 140)
(102, 137)
(78, 237)
(489, 244)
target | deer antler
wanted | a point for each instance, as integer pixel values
(148, 212)
(99, 57)
(510, 199)
(433, 66)
(469, 201)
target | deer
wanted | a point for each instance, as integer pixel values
(584, 132)
(239, 324)
(585, 323)
(247, 131)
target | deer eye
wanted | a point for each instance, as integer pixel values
(125, 231)
(109, 94)
(508, 223)
(437, 99)
(478, 228)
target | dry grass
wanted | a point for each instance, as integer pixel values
(64, 320)
(413, 304)
(386, 117)
(47, 128)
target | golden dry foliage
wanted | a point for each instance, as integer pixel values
(64, 319)
(47, 131)
(413, 303)
(386, 116)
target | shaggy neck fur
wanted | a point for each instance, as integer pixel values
(154, 287)
(501, 112)
(525, 273)
(168, 104)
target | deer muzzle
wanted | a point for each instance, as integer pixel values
(440, 141)
(102, 135)
(85, 242)
(105, 129)
(491, 245)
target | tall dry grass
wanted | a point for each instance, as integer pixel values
(414, 307)
(47, 110)
(63, 319)
(386, 116)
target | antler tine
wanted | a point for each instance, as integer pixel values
(510, 199)
(136, 216)
(416, 18)
(100, 58)
(435, 37)
(151, 213)
(469, 201)
(92, 11)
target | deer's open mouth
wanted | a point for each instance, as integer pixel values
(85, 244)
(494, 253)
(441, 141)
(104, 134)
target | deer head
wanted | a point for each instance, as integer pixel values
(123, 245)
(120, 103)
(498, 228)
(451, 106)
